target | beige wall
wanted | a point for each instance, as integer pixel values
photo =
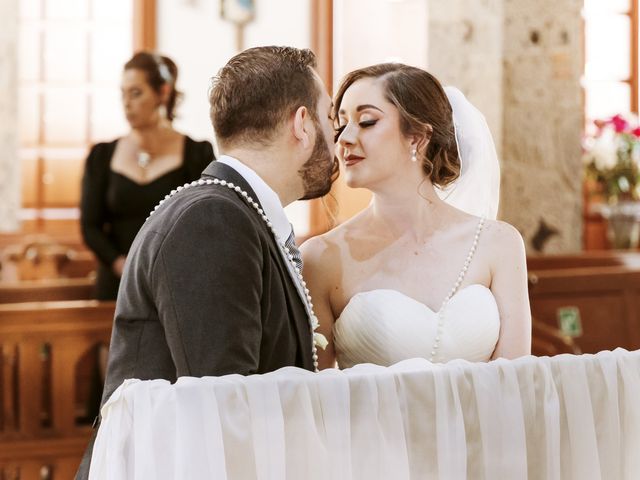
(465, 50)
(194, 35)
(9, 164)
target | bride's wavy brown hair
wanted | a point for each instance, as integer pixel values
(424, 110)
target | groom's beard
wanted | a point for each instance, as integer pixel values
(321, 170)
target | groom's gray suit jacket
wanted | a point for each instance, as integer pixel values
(206, 292)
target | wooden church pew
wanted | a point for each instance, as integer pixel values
(596, 297)
(47, 290)
(602, 258)
(45, 350)
(39, 260)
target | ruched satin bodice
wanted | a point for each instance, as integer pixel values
(385, 326)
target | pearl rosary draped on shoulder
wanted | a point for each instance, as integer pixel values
(318, 339)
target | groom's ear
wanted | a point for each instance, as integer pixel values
(300, 126)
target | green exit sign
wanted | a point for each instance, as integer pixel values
(569, 321)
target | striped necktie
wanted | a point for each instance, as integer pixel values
(293, 249)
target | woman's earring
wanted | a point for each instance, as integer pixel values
(414, 157)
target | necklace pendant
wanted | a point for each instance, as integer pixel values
(144, 159)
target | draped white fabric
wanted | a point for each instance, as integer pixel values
(566, 417)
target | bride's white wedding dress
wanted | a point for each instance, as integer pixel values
(385, 326)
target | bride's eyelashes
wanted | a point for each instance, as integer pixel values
(368, 123)
(364, 124)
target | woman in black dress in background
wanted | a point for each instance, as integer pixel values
(126, 178)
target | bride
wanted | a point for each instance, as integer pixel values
(425, 270)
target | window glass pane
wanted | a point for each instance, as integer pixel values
(594, 7)
(608, 43)
(30, 183)
(71, 54)
(29, 115)
(111, 48)
(65, 116)
(67, 9)
(65, 54)
(61, 181)
(29, 9)
(604, 99)
(107, 118)
(120, 11)
(29, 53)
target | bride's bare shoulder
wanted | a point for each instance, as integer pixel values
(503, 239)
(327, 249)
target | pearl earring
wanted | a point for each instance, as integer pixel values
(414, 157)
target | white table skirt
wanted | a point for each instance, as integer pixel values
(566, 417)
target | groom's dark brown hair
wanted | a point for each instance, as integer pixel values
(259, 89)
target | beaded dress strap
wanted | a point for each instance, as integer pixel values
(435, 348)
(467, 261)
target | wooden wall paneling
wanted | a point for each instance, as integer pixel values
(632, 311)
(601, 258)
(31, 446)
(322, 39)
(8, 396)
(47, 290)
(603, 317)
(61, 183)
(29, 387)
(605, 296)
(30, 182)
(322, 46)
(144, 25)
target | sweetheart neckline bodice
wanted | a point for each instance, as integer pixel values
(384, 326)
(408, 297)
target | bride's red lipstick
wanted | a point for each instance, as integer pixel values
(351, 159)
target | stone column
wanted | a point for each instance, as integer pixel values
(9, 162)
(465, 50)
(543, 122)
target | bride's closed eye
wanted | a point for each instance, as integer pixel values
(363, 124)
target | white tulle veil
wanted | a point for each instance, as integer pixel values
(477, 190)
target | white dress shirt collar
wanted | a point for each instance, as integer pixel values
(269, 199)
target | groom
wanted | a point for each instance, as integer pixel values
(207, 288)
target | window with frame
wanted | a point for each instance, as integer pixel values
(70, 60)
(611, 58)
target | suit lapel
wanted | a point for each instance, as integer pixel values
(225, 172)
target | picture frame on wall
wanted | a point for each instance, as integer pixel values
(239, 12)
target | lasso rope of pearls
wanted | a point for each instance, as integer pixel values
(452, 292)
(318, 338)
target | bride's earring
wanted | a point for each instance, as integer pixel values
(414, 157)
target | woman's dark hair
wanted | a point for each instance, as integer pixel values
(160, 71)
(424, 111)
